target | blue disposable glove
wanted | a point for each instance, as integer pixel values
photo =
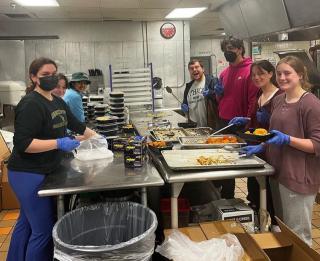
(207, 92)
(67, 144)
(239, 121)
(279, 138)
(251, 150)
(263, 116)
(184, 107)
(218, 88)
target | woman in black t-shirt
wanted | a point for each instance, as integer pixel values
(41, 123)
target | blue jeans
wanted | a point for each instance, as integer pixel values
(32, 236)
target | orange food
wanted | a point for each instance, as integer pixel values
(260, 132)
(157, 144)
(223, 139)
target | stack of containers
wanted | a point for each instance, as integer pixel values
(85, 100)
(100, 110)
(116, 101)
(96, 99)
(90, 110)
(107, 126)
(135, 152)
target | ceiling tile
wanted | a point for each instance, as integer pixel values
(80, 3)
(120, 3)
(159, 3)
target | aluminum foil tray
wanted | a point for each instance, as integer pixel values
(167, 134)
(199, 142)
(187, 159)
(201, 131)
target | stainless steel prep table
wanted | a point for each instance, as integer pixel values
(99, 175)
(178, 178)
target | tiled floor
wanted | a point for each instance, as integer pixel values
(8, 219)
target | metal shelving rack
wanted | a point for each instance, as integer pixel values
(136, 85)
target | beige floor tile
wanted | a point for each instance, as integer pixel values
(240, 195)
(315, 245)
(315, 215)
(316, 222)
(315, 233)
(4, 247)
(3, 238)
(5, 230)
(3, 256)
(317, 240)
(11, 216)
(316, 207)
(7, 223)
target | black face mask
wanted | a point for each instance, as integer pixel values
(48, 83)
(230, 56)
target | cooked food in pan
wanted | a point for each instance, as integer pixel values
(215, 160)
(157, 144)
(223, 139)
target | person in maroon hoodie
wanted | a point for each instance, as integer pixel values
(236, 94)
(263, 75)
(294, 150)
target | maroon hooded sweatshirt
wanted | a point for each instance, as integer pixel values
(240, 94)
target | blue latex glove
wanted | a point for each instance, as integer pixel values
(263, 116)
(67, 144)
(239, 121)
(218, 88)
(279, 138)
(251, 150)
(184, 107)
(207, 92)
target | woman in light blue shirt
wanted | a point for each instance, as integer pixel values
(73, 96)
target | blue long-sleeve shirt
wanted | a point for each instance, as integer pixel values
(74, 100)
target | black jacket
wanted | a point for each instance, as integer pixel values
(211, 103)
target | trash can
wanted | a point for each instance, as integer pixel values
(109, 231)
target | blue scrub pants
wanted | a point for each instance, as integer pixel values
(32, 236)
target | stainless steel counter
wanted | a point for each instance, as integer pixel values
(75, 176)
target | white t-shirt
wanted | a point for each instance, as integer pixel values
(197, 104)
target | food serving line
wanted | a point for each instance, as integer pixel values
(176, 176)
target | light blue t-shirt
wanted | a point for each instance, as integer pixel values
(74, 101)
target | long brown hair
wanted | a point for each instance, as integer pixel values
(34, 68)
(299, 68)
(267, 66)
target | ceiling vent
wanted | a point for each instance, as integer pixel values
(18, 16)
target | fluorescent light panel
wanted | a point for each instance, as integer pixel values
(37, 2)
(185, 12)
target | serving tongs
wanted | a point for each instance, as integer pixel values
(222, 129)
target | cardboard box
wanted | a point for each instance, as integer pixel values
(234, 209)
(8, 198)
(209, 230)
(285, 245)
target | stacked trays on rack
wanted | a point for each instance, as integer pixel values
(107, 126)
(117, 107)
(96, 99)
(100, 110)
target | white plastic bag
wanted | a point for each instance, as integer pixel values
(93, 149)
(179, 247)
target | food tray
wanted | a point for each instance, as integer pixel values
(187, 159)
(167, 134)
(201, 131)
(199, 142)
(255, 138)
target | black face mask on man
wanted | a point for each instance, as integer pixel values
(48, 83)
(230, 56)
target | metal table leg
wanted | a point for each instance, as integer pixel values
(60, 206)
(175, 191)
(144, 199)
(263, 214)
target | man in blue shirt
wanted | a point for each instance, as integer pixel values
(73, 96)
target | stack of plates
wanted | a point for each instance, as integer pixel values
(90, 110)
(117, 106)
(107, 125)
(100, 110)
(96, 99)
(85, 100)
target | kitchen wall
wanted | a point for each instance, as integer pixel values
(84, 45)
(268, 48)
(211, 47)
